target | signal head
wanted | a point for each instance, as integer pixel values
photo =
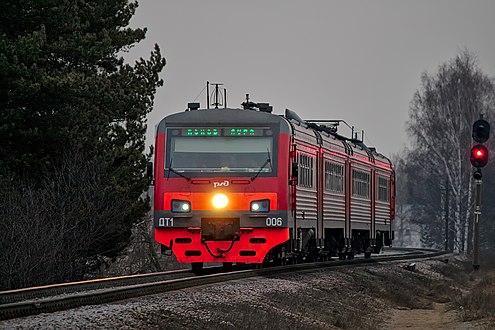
(481, 131)
(479, 155)
(477, 174)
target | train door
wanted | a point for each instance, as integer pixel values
(333, 201)
(348, 193)
(320, 177)
(293, 182)
(361, 198)
(372, 234)
(383, 210)
(306, 214)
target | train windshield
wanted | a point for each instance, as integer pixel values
(220, 154)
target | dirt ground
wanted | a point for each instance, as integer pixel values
(459, 305)
(438, 317)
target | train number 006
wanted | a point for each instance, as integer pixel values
(274, 222)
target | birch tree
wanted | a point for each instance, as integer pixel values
(441, 115)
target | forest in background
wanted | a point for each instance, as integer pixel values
(435, 192)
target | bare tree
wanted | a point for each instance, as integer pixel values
(48, 234)
(440, 121)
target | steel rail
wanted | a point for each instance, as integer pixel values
(108, 295)
(64, 288)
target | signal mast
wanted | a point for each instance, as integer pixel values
(479, 158)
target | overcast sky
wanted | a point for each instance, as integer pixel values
(360, 61)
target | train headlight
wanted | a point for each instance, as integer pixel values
(220, 201)
(260, 206)
(180, 206)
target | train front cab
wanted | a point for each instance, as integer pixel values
(221, 193)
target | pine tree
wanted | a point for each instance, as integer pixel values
(63, 82)
(65, 90)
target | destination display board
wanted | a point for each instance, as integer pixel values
(222, 131)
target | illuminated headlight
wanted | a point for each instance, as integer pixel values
(220, 201)
(260, 206)
(181, 206)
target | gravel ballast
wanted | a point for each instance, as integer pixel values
(360, 297)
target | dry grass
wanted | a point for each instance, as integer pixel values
(406, 289)
(457, 271)
(479, 303)
(470, 293)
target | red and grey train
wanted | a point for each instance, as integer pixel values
(248, 186)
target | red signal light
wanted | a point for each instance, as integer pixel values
(479, 155)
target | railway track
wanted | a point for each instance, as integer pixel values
(52, 298)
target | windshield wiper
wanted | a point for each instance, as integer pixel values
(268, 161)
(170, 169)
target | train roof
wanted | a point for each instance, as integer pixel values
(250, 116)
(223, 116)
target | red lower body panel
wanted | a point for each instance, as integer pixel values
(252, 246)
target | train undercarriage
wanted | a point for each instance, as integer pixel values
(306, 248)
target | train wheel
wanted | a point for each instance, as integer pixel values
(197, 267)
(367, 255)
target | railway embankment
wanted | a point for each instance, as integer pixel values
(428, 294)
